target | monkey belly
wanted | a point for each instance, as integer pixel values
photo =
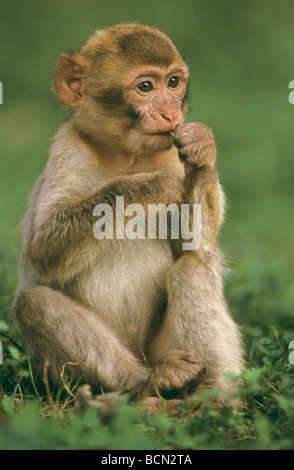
(125, 285)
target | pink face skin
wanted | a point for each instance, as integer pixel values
(157, 97)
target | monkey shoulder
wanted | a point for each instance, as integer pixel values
(70, 166)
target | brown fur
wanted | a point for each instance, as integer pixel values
(134, 314)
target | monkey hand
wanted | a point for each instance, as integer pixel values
(196, 146)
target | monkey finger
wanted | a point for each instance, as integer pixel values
(190, 170)
(183, 135)
(189, 154)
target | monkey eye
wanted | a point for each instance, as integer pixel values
(145, 87)
(173, 82)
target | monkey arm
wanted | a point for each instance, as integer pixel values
(204, 188)
(197, 151)
(67, 225)
(201, 188)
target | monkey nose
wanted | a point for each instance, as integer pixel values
(166, 117)
(170, 118)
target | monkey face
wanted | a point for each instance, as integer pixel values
(156, 96)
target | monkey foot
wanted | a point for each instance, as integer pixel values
(176, 372)
(106, 404)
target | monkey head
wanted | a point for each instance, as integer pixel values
(127, 88)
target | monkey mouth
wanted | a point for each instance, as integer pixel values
(160, 140)
(162, 137)
(162, 134)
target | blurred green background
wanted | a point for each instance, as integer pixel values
(241, 60)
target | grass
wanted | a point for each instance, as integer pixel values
(241, 59)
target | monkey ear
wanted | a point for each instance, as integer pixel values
(69, 78)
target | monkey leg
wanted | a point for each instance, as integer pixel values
(197, 340)
(59, 330)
